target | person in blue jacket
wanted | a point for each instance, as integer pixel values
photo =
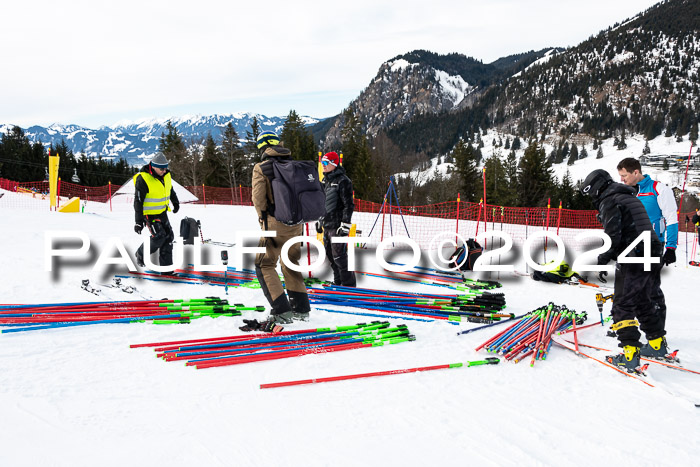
(660, 204)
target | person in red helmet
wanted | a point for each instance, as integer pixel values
(337, 220)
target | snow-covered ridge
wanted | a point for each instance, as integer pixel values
(136, 140)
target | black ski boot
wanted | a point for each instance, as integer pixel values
(299, 301)
(281, 312)
(628, 360)
(658, 350)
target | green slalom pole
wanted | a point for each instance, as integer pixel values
(487, 361)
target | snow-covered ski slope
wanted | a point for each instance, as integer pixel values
(81, 397)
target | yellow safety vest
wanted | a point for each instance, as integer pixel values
(158, 196)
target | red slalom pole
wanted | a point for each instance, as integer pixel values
(276, 356)
(227, 338)
(488, 361)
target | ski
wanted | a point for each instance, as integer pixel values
(117, 284)
(209, 241)
(85, 285)
(651, 360)
(567, 345)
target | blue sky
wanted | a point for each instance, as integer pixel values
(93, 63)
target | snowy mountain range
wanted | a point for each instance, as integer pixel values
(137, 141)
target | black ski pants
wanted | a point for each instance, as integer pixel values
(337, 254)
(162, 237)
(633, 299)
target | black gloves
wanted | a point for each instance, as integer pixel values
(669, 256)
(344, 229)
(266, 326)
(138, 228)
(319, 227)
(176, 208)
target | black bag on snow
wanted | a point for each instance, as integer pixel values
(472, 250)
(298, 194)
(189, 228)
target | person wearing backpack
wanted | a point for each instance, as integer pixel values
(336, 222)
(153, 193)
(295, 303)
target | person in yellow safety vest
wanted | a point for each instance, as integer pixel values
(560, 273)
(153, 193)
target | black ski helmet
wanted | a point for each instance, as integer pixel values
(595, 183)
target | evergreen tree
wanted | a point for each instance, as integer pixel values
(646, 149)
(600, 153)
(496, 181)
(22, 161)
(357, 159)
(534, 177)
(214, 171)
(516, 144)
(595, 144)
(573, 155)
(511, 180)
(693, 134)
(564, 154)
(622, 144)
(507, 146)
(251, 141)
(584, 153)
(465, 163)
(173, 148)
(239, 167)
(297, 138)
(566, 192)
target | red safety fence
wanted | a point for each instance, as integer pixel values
(452, 214)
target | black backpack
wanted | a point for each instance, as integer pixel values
(189, 228)
(472, 250)
(297, 192)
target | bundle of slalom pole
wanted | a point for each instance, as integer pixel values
(234, 350)
(531, 336)
(18, 318)
(476, 307)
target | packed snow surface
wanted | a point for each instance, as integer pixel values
(81, 397)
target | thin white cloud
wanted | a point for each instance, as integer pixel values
(86, 61)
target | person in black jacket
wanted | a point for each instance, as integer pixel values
(624, 218)
(338, 217)
(153, 193)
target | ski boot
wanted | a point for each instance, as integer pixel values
(283, 318)
(658, 350)
(628, 360)
(301, 316)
